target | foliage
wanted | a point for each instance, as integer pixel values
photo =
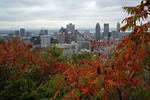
(33, 74)
(85, 55)
(141, 94)
(56, 53)
(122, 74)
(23, 72)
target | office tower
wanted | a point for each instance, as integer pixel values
(71, 27)
(64, 36)
(118, 26)
(16, 33)
(106, 29)
(109, 35)
(97, 32)
(22, 32)
(80, 40)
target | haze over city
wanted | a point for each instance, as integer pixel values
(52, 14)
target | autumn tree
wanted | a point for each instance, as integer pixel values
(25, 71)
(121, 76)
(28, 74)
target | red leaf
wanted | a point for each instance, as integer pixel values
(104, 56)
(141, 54)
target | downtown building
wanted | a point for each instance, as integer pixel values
(68, 49)
(22, 32)
(106, 34)
(45, 40)
(97, 32)
(68, 34)
(64, 36)
(71, 27)
(118, 26)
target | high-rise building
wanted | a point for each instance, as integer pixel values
(16, 33)
(118, 26)
(61, 36)
(106, 29)
(97, 32)
(109, 35)
(79, 41)
(71, 27)
(22, 32)
(64, 36)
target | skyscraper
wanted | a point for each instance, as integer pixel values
(106, 29)
(118, 26)
(97, 32)
(16, 33)
(71, 27)
(64, 36)
(22, 32)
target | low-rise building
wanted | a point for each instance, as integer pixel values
(45, 40)
(68, 49)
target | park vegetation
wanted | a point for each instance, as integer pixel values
(27, 73)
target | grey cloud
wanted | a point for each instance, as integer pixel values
(108, 3)
(61, 10)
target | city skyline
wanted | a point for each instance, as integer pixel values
(53, 14)
(69, 26)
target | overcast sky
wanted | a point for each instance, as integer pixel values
(52, 14)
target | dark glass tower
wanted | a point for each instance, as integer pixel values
(106, 29)
(118, 26)
(97, 32)
(22, 32)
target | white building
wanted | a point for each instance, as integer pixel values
(68, 49)
(45, 40)
(75, 47)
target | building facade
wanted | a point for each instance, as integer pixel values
(71, 27)
(22, 32)
(106, 30)
(97, 32)
(45, 40)
(118, 26)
